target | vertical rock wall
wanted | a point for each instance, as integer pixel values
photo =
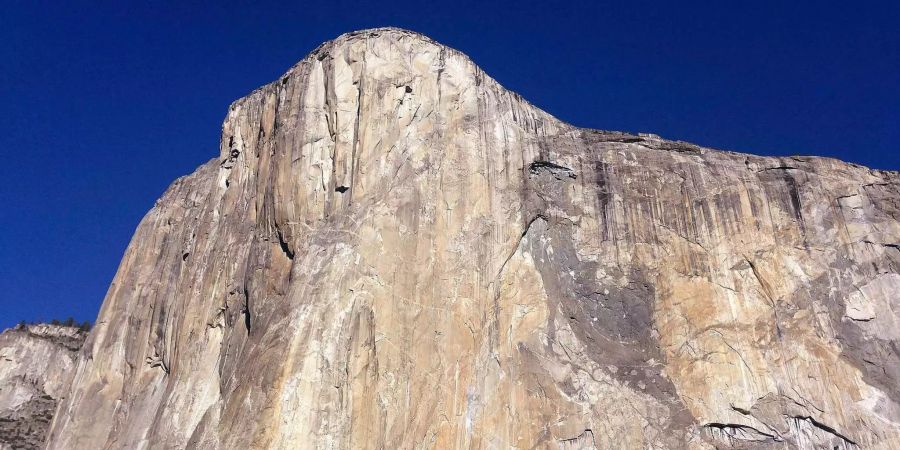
(36, 367)
(393, 251)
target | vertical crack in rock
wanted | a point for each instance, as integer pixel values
(246, 309)
(285, 248)
(354, 156)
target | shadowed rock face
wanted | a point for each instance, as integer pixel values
(393, 251)
(36, 367)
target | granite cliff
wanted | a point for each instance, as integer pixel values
(36, 367)
(393, 251)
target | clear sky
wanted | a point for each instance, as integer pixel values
(103, 104)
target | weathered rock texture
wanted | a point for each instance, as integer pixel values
(393, 251)
(36, 367)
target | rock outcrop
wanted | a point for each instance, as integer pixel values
(36, 367)
(393, 251)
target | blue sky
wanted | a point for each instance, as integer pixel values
(106, 103)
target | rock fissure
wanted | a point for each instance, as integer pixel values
(825, 428)
(557, 171)
(741, 432)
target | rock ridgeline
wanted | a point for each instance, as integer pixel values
(393, 251)
(36, 367)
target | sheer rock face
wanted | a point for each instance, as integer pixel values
(393, 251)
(36, 367)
